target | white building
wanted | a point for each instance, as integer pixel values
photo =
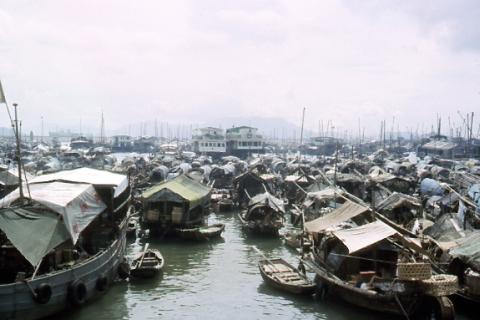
(209, 141)
(244, 140)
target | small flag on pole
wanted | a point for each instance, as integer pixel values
(2, 96)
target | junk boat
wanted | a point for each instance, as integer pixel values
(80, 250)
(369, 264)
(132, 227)
(178, 203)
(221, 200)
(147, 264)
(264, 215)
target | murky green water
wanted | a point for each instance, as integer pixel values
(214, 280)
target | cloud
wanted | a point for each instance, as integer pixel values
(191, 61)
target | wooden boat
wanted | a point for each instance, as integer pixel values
(147, 264)
(202, 233)
(294, 240)
(221, 200)
(175, 204)
(264, 215)
(225, 205)
(402, 298)
(374, 267)
(281, 275)
(28, 293)
(132, 226)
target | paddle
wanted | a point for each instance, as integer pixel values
(265, 258)
(143, 255)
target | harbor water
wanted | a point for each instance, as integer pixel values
(214, 280)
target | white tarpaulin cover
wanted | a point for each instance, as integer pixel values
(78, 203)
(322, 195)
(363, 236)
(88, 175)
(347, 211)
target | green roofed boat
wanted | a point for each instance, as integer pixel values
(181, 203)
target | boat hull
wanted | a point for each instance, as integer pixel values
(384, 303)
(202, 233)
(303, 289)
(145, 272)
(17, 301)
(258, 227)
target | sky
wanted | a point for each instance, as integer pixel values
(352, 63)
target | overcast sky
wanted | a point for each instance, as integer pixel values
(199, 61)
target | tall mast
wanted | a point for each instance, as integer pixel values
(41, 136)
(19, 163)
(303, 121)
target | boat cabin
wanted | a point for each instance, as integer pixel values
(178, 203)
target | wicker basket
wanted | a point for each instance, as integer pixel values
(440, 285)
(414, 271)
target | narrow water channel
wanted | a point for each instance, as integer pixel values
(214, 280)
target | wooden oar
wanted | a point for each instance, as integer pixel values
(265, 258)
(143, 255)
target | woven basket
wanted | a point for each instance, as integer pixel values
(440, 285)
(414, 271)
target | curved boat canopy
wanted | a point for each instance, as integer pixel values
(363, 236)
(87, 175)
(180, 189)
(347, 211)
(68, 209)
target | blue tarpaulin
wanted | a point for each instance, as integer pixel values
(474, 193)
(431, 187)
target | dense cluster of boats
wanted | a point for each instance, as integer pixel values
(390, 232)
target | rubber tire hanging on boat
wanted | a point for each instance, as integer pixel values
(42, 293)
(301, 268)
(102, 283)
(436, 308)
(77, 292)
(123, 270)
(321, 289)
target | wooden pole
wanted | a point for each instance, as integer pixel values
(19, 162)
(303, 121)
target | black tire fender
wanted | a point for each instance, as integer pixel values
(77, 292)
(42, 293)
(102, 283)
(321, 289)
(123, 270)
(301, 268)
